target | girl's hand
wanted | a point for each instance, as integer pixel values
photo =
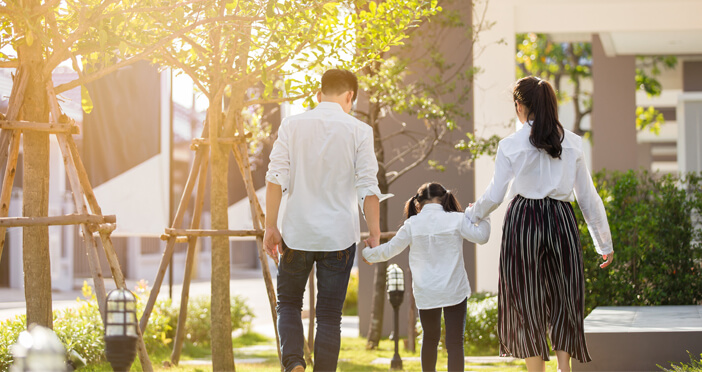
(368, 246)
(608, 259)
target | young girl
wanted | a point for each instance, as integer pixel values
(439, 279)
(541, 279)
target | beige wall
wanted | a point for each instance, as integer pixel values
(613, 115)
(494, 114)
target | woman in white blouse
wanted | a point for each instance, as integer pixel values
(541, 283)
(439, 280)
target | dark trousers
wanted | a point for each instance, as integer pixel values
(455, 322)
(333, 269)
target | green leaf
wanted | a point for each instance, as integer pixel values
(232, 4)
(85, 101)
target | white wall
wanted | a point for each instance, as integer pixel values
(494, 114)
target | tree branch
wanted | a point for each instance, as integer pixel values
(276, 100)
(9, 64)
(147, 52)
(187, 69)
(419, 160)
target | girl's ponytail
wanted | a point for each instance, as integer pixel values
(428, 192)
(411, 207)
(450, 203)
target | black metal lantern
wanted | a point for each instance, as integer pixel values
(396, 292)
(121, 329)
(38, 349)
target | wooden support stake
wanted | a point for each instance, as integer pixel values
(189, 262)
(197, 232)
(258, 218)
(39, 127)
(168, 253)
(13, 109)
(83, 176)
(120, 282)
(383, 235)
(71, 219)
(7, 182)
(222, 140)
(81, 208)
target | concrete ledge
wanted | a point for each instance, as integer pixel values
(639, 338)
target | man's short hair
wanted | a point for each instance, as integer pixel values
(337, 81)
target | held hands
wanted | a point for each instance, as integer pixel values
(371, 242)
(608, 259)
(273, 243)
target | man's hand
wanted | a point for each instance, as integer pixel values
(273, 242)
(608, 259)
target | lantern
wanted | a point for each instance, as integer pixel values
(396, 292)
(38, 349)
(120, 329)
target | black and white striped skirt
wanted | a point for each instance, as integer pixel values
(541, 286)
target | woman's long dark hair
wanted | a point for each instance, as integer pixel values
(539, 98)
(429, 191)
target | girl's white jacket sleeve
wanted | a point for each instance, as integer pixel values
(388, 250)
(477, 233)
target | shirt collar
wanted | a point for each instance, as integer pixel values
(432, 207)
(330, 106)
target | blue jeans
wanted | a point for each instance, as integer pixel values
(333, 269)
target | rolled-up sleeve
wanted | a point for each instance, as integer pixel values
(366, 168)
(392, 248)
(495, 192)
(279, 165)
(592, 207)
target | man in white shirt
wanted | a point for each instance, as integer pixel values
(324, 163)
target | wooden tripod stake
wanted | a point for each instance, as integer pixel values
(89, 216)
(177, 234)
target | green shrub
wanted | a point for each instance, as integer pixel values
(694, 366)
(9, 331)
(351, 302)
(481, 325)
(657, 253)
(199, 324)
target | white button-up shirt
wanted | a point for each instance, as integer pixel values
(536, 175)
(435, 238)
(325, 163)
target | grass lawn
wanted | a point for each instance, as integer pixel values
(256, 353)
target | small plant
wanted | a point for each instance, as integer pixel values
(694, 366)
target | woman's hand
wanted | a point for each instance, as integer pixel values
(608, 259)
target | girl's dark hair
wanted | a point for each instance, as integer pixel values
(429, 191)
(539, 98)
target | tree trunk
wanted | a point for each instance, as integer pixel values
(222, 353)
(378, 299)
(35, 239)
